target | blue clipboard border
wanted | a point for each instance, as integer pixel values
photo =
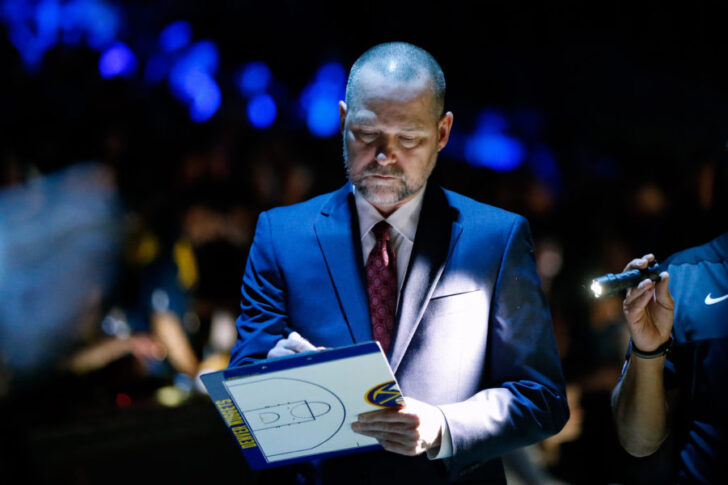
(232, 416)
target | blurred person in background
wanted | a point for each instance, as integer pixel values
(59, 244)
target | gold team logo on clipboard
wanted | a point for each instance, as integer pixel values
(385, 395)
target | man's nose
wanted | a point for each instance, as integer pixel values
(385, 156)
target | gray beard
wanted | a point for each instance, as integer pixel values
(368, 190)
(390, 196)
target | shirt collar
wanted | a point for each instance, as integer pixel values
(404, 220)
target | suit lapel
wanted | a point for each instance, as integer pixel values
(437, 233)
(335, 229)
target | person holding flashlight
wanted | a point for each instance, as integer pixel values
(672, 383)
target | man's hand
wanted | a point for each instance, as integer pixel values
(294, 344)
(639, 401)
(410, 430)
(649, 308)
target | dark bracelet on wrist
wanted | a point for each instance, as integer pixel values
(658, 352)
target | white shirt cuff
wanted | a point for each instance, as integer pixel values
(445, 442)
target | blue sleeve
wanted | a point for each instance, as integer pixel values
(263, 319)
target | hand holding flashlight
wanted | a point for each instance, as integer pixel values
(610, 283)
(649, 308)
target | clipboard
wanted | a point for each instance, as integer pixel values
(300, 407)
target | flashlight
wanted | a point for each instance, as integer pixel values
(611, 283)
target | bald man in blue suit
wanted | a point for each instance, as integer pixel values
(473, 348)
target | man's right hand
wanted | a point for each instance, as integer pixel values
(293, 344)
(649, 308)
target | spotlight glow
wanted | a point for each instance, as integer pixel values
(117, 60)
(175, 36)
(596, 289)
(262, 111)
(490, 147)
(320, 98)
(254, 78)
(191, 80)
(495, 151)
(206, 100)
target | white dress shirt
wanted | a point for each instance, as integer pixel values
(402, 237)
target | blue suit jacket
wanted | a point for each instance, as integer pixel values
(474, 333)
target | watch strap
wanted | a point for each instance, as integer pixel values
(658, 352)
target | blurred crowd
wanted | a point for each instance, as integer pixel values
(115, 299)
(124, 234)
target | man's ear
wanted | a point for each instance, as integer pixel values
(342, 116)
(443, 130)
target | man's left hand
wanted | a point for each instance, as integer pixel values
(409, 430)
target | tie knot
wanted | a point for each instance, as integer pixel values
(381, 231)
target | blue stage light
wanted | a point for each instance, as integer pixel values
(47, 17)
(191, 81)
(200, 58)
(262, 111)
(489, 147)
(320, 98)
(175, 36)
(35, 27)
(323, 115)
(179, 81)
(72, 30)
(32, 28)
(494, 150)
(117, 60)
(30, 49)
(99, 21)
(203, 55)
(254, 78)
(332, 73)
(206, 99)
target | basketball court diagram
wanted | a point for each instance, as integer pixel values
(283, 426)
(286, 414)
(300, 407)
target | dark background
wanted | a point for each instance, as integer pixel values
(630, 101)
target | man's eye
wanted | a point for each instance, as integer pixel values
(408, 142)
(366, 137)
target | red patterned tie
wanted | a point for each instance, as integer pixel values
(382, 285)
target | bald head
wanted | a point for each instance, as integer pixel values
(398, 62)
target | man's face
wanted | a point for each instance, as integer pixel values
(391, 138)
